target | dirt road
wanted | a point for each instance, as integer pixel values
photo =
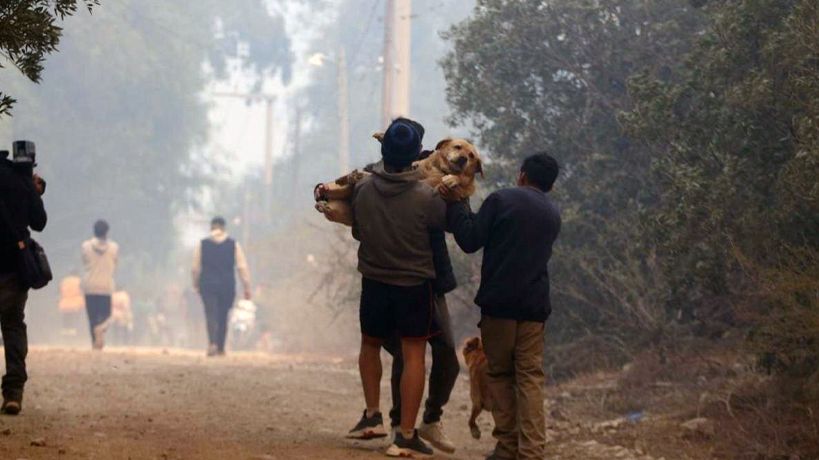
(150, 404)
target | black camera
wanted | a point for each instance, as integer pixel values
(23, 152)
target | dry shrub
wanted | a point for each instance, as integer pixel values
(585, 355)
(784, 313)
(772, 412)
(757, 418)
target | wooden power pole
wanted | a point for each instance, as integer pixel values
(395, 100)
(268, 160)
(386, 88)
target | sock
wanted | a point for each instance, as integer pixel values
(371, 412)
(408, 434)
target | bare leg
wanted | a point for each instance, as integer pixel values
(412, 382)
(369, 366)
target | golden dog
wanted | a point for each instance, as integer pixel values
(478, 382)
(454, 162)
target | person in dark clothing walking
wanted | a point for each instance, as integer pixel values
(22, 208)
(214, 261)
(445, 366)
(516, 228)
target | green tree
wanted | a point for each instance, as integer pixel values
(28, 32)
(120, 120)
(533, 76)
(735, 147)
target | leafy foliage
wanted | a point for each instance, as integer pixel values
(688, 139)
(28, 32)
(530, 76)
(736, 155)
(120, 122)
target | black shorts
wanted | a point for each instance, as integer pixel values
(386, 309)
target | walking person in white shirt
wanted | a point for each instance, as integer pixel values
(100, 256)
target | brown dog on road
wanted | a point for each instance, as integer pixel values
(478, 382)
(454, 162)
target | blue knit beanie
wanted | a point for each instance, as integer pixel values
(402, 144)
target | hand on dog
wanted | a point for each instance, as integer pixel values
(449, 195)
(451, 181)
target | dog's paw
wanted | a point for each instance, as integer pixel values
(476, 432)
(321, 206)
(451, 181)
(355, 177)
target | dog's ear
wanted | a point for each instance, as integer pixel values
(443, 143)
(379, 136)
(479, 167)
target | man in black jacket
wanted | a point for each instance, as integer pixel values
(516, 228)
(21, 208)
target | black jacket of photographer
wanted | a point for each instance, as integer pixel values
(23, 210)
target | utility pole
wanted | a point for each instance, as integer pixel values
(246, 219)
(403, 35)
(386, 88)
(343, 114)
(296, 149)
(268, 159)
(397, 48)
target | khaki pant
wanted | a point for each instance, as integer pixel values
(514, 352)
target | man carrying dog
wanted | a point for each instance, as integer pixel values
(445, 366)
(393, 215)
(516, 228)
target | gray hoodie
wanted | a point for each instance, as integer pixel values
(393, 214)
(99, 257)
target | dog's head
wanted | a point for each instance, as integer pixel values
(471, 347)
(460, 157)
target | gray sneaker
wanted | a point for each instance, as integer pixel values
(433, 433)
(409, 448)
(368, 427)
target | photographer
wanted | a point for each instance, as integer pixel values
(21, 208)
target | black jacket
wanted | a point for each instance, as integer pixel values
(444, 281)
(516, 228)
(23, 208)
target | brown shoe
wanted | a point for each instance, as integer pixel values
(11, 407)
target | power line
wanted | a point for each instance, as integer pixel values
(363, 37)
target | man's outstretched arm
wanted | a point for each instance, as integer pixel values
(471, 230)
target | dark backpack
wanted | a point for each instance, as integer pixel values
(33, 269)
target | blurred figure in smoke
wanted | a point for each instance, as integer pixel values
(214, 262)
(100, 257)
(122, 317)
(71, 305)
(194, 318)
